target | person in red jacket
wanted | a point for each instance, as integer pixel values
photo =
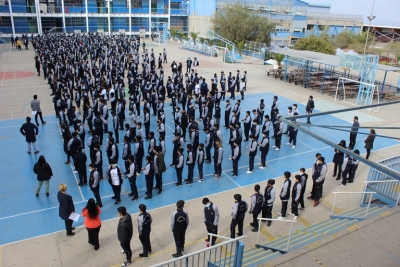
(92, 222)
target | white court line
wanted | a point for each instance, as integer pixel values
(305, 144)
(72, 169)
(4, 75)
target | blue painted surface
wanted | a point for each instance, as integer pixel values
(26, 216)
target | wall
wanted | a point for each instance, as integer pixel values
(199, 24)
(202, 7)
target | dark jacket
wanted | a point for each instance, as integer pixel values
(66, 205)
(80, 162)
(369, 142)
(29, 130)
(125, 229)
(43, 172)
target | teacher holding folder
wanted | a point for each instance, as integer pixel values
(66, 208)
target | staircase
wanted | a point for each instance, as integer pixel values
(254, 256)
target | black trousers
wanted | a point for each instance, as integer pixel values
(145, 240)
(251, 161)
(179, 175)
(159, 182)
(301, 198)
(263, 157)
(318, 190)
(255, 221)
(116, 134)
(278, 139)
(200, 168)
(68, 226)
(179, 237)
(127, 250)
(232, 93)
(149, 185)
(295, 207)
(368, 153)
(267, 211)
(213, 230)
(235, 166)
(226, 118)
(284, 208)
(93, 236)
(239, 224)
(99, 133)
(132, 183)
(82, 177)
(353, 137)
(246, 132)
(96, 193)
(308, 118)
(208, 152)
(190, 172)
(117, 191)
(242, 94)
(41, 117)
(337, 169)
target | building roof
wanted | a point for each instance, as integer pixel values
(322, 58)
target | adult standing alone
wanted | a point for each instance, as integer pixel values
(66, 208)
(30, 131)
(369, 142)
(35, 106)
(125, 233)
(92, 222)
(44, 173)
(353, 132)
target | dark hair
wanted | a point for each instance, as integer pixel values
(28, 119)
(302, 169)
(205, 200)
(321, 159)
(92, 209)
(122, 210)
(317, 155)
(131, 158)
(79, 148)
(142, 207)
(297, 177)
(180, 204)
(287, 174)
(238, 197)
(41, 160)
(257, 188)
(34, 96)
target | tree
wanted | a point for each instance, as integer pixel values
(202, 40)
(316, 44)
(240, 46)
(182, 36)
(393, 48)
(174, 33)
(344, 39)
(194, 35)
(238, 23)
(279, 58)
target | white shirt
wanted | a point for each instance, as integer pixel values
(114, 176)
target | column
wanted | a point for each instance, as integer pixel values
(12, 18)
(87, 16)
(63, 16)
(130, 18)
(109, 12)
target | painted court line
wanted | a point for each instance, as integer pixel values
(2, 80)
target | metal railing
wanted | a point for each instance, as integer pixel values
(228, 253)
(390, 188)
(366, 211)
(278, 220)
(200, 48)
(334, 16)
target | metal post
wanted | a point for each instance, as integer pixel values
(87, 16)
(290, 235)
(238, 254)
(109, 16)
(334, 201)
(63, 17)
(12, 17)
(369, 203)
(130, 18)
(370, 18)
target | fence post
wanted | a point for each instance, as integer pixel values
(238, 254)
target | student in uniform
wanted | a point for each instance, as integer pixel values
(115, 179)
(211, 219)
(144, 228)
(252, 153)
(296, 192)
(200, 162)
(354, 166)
(278, 130)
(247, 125)
(126, 152)
(239, 210)
(264, 148)
(131, 175)
(235, 158)
(80, 166)
(256, 206)
(303, 181)
(115, 121)
(179, 224)
(125, 233)
(81, 132)
(112, 150)
(228, 109)
(269, 199)
(159, 168)
(190, 162)
(148, 171)
(94, 184)
(338, 158)
(218, 156)
(98, 160)
(139, 154)
(319, 178)
(285, 195)
(179, 162)
(312, 193)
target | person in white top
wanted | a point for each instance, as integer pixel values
(115, 179)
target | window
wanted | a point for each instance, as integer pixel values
(5, 22)
(73, 3)
(3, 2)
(136, 3)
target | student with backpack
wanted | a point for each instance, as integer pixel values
(239, 210)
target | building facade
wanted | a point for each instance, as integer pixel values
(293, 19)
(130, 16)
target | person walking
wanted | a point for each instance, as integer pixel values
(269, 198)
(94, 179)
(285, 195)
(44, 173)
(92, 222)
(353, 132)
(338, 158)
(66, 208)
(239, 210)
(125, 233)
(179, 224)
(309, 107)
(30, 131)
(144, 227)
(256, 206)
(211, 219)
(35, 106)
(369, 142)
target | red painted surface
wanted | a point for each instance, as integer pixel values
(16, 75)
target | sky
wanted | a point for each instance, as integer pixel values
(386, 11)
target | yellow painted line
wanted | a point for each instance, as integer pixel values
(336, 209)
(335, 236)
(314, 245)
(353, 228)
(386, 213)
(320, 263)
(304, 221)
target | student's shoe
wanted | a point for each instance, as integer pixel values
(341, 184)
(47, 194)
(301, 208)
(273, 146)
(295, 218)
(252, 224)
(277, 148)
(143, 255)
(147, 197)
(289, 213)
(114, 197)
(337, 179)
(177, 255)
(269, 223)
(293, 147)
(138, 174)
(117, 202)
(126, 263)
(281, 218)
(199, 180)
(178, 184)
(122, 251)
(29, 152)
(71, 234)
(135, 198)
(278, 213)
(316, 202)
(288, 144)
(206, 240)
(207, 245)
(131, 194)
(261, 167)
(37, 195)
(160, 192)
(254, 230)
(249, 172)
(67, 162)
(234, 175)
(259, 164)
(189, 182)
